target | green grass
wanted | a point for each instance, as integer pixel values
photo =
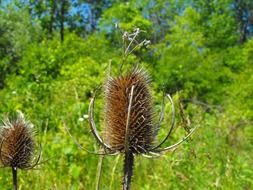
(210, 160)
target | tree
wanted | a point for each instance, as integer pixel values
(244, 15)
(218, 22)
(17, 30)
(52, 14)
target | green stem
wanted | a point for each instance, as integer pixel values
(100, 165)
(14, 175)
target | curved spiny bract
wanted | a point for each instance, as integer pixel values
(141, 132)
(17, 143)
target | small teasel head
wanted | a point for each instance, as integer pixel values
(17, 143)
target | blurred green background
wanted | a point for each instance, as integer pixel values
(53, 55)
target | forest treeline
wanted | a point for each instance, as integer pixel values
(54, 54)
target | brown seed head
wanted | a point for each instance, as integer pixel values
(117, 97)
(17, 143)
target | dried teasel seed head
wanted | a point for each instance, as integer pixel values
(141, 130)
(17, 143)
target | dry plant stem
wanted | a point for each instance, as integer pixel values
(85, 149)
(161, 115)
(127, 49)
(128, 170)
(157, 151)
(179, 142)
(113, 171)
(14, 175)
(128, 120)
(172, 123)
(138, 45)
(129, 157)
(93, 126)
(100, 165)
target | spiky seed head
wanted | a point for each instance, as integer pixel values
(117, 97)
(17, 143)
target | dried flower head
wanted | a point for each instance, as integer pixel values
(17, 143)
(140, 131)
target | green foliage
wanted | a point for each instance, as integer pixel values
(127, 16)
(17, 31)
(194, 55)
(219, 34)
(48, 73)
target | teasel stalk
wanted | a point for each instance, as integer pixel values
(17, 148)
(129, 126)
(128, 118)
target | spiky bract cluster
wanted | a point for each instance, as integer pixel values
(17, 143)
(117, 97)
